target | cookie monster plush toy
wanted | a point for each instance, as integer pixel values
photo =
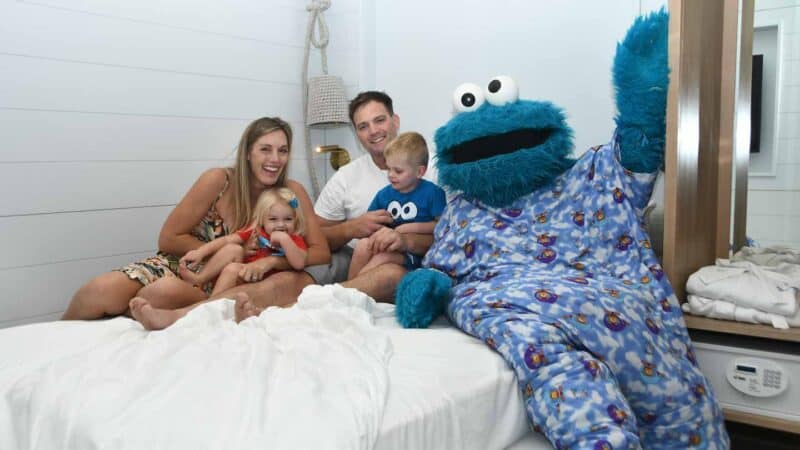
(546, 259)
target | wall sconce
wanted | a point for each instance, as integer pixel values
(339, 155)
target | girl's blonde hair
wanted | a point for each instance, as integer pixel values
(242, 207)
(285, 196)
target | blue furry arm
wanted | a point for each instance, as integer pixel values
(641, 79)
(421, 297)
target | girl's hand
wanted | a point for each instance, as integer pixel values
(190, 259)
(255, 270)
(278, 239)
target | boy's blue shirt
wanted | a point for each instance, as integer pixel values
(423, 204)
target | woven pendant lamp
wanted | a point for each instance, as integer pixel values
(327, 105)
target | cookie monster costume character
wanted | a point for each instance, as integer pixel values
(546, 259)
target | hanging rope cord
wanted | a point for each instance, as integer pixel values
(315, 21)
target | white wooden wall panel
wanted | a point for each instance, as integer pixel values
(30, 320)
(272, 21)
(50, 136)
(46, 289)
(76, 236)
(40, 31)
(66, 86)
(72, 186)
(109, 111)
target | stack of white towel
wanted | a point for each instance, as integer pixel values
(757, 285)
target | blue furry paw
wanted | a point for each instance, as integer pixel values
(641, 79)
(421, 297)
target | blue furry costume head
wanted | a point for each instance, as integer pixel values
(505, 148)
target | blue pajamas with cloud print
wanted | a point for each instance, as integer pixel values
(564, 285)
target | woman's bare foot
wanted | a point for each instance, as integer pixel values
(153, 318)
(244, 308)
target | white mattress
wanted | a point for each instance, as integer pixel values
(447, 390)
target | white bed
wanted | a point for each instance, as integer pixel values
(442, 389)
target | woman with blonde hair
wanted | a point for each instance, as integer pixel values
(220, 201)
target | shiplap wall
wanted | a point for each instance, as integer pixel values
(773, 204)
(110, 110)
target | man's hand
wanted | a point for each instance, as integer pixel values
(368, 223)
(387, 240)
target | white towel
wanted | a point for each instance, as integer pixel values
(770, 289)
(719, 309)
(768, 256)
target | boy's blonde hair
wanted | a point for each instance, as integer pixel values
(283, 195)
(411, 146)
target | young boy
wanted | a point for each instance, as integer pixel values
(415, 204)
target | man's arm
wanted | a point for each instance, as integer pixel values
(339, 233)
(416, 227)
(389, 240)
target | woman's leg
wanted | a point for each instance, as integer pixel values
(171, 293)
(162, 303)
(105, 295)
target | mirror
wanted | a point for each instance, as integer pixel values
(773, 193)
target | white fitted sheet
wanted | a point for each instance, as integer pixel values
(447, 390)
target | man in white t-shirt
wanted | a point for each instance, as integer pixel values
(342, 204)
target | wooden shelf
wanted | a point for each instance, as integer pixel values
(741, 328)
(762, 421)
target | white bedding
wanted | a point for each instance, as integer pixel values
(315, 376)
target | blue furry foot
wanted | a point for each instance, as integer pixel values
(420, 297)
(641, 79)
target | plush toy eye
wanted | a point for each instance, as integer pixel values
(409, 211)
(394, 209)
(467, 97)
(502, 90)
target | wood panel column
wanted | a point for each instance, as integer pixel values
(701, 120)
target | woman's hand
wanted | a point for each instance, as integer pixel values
(251, 246)
(254, 271)
(191, 259)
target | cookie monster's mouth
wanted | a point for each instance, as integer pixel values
(498, 144)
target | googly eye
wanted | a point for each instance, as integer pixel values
(394, 209)
(409, 211)
(467, 97)
(502, 90)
